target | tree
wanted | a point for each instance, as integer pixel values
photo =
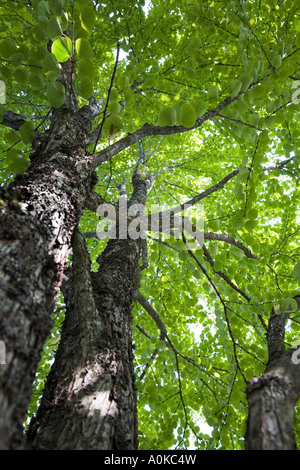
(202, 106)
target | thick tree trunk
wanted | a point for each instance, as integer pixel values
(38, 214)
(273, 396)
(89, 401)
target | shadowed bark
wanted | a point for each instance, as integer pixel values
(38, 214)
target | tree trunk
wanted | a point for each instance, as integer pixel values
(271, 400)
(89, 401)
(38, 214)
(272, 397)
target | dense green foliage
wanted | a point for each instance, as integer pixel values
(180, 59)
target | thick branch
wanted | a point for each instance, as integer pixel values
(202, 195)
(224, 237)
(13, 120)
(223, 275)
(153, 313)
(150, 130)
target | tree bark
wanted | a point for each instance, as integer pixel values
(38, 214)
(273, 396)
(89, 401)
(271, 400)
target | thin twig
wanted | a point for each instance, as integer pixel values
(108, 96)
(222, 302)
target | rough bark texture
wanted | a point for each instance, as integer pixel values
(271, 400)
(38, 214)
(272, 397)
(89, 402)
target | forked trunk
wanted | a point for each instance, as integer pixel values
(89, 402)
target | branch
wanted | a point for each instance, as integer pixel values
(93, 201)
(174, 210)
(108, 96)
(222, 302)
(224, 237)
(13, 120)
(150, 130)
(230, 283)
(222, 275)
(153, 313)
(280, 165)
(169, 344)
(240, 122)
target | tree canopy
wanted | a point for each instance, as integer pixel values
(205, 90)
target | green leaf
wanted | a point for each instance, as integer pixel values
(190, 266)
(200, 108)
(54, 28)
(17, 59)
(297, 272)
(62, 49)
(167, 116)
(56, 94)
(259, 91)
(288, 304)
(114, 94)
(84, 49)
(87, 18)
(213, 92)
(37, 81)
(27, 132)
(246, 80)
(112, 126)
(17, 162)
(85, 68)
(187, 115)
(218, 266)
(234, 87)
(277, 61)
(214, 225)
(43, 8)
(114, 107)
(237, 222)
(85, 88)
(83, 3)
(56, 6)
(7, 48)
(207, 287)
(123, 82)
(250, 224)
(252, 214)
(51, 67)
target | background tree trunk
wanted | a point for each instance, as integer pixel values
(271, 400)
(273, 396)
